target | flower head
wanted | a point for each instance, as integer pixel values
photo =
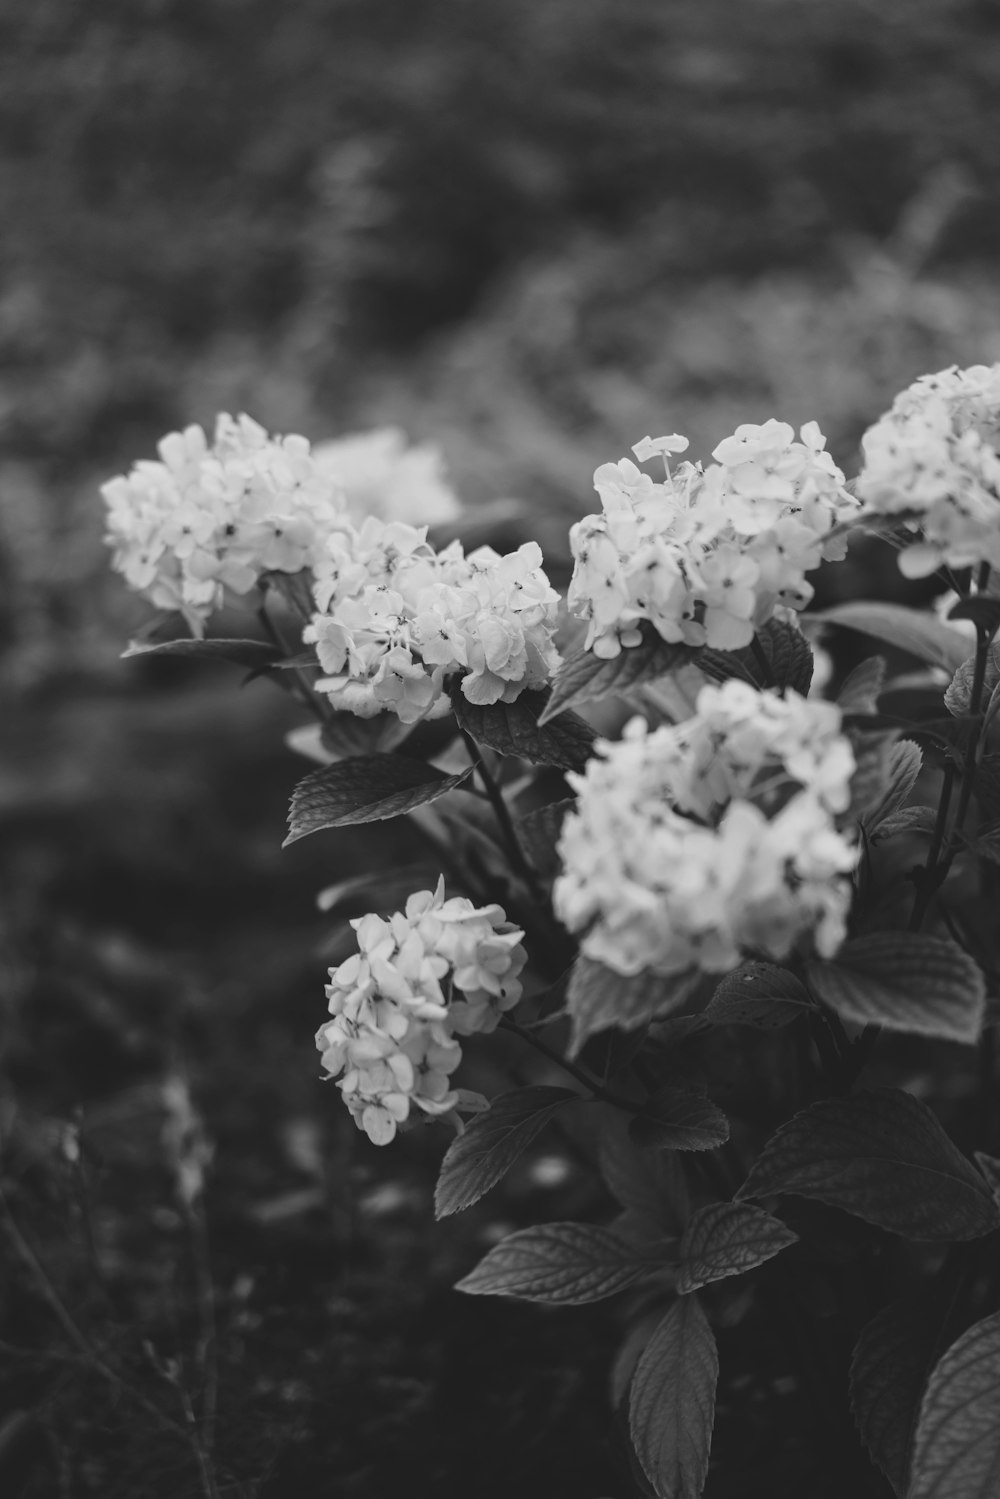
(693, 844)
(207, 518)
(933, 461)
(397, 621)
(440, 968)
(707, 555)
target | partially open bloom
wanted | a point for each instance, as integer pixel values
(380, 475)
(207, 518)
(933, 462)
(397, 621)
(440, 968)
(706, 555)
(692, 845)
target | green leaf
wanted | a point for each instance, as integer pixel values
(889, 1370)
(757, 994)
(676, 1118)
(563, 1264)
(490, 1144)
(672, 1402)
(255, 654)
(598, 997)
(788, 654)
(958, 693)
(728, 1238)
(368, 789)
(956, 1453)
(905, 981)
(538, 833)
(863, 687)
(883, 1157)
(515, 729)
(584, 677)
(922, 635)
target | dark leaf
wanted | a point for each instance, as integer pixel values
(958, 694)
(883, 1157)
(584, 677)
(956, 1452)
(728, 1238)
(539, 831)
(255, 654)
(648, 1183)
(672, 1402)
(905, 981)
(903, 764)
(907, 820)
(922, 635)
(988, 787)
(761, 995)
(862, 687)
(364, 790)
(678, 1119)
(565, 1264)
(294, 588)
(889, 1370)
(872, 777)
(787, 652)
(598, 998)
(989, 1165)
(983, 610)
(490, 1144)
(513, 729)
(345, 735)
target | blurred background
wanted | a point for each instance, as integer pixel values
(530, 232)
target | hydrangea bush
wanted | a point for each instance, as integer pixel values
(803, 878)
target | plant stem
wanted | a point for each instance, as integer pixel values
(930, 877)
(942, 854)
(596, 1089)
(503, 817)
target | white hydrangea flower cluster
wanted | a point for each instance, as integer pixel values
(206, 518)
(706, 554)
(693, 844)
(440, 969)
(742, 742)
(379, 474)
(933, 461)
(398, 620)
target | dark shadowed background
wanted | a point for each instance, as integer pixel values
(531, 231)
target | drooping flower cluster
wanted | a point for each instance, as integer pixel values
(692, 845)
(440, 969)
(398, 620)
(380, 475)
(706, 554)
(933, 461)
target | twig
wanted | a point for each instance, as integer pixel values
(503, 817)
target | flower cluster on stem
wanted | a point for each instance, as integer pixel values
(426, 975)
(933, 463)
(706, 554)
(693, 844)
(396, 621)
